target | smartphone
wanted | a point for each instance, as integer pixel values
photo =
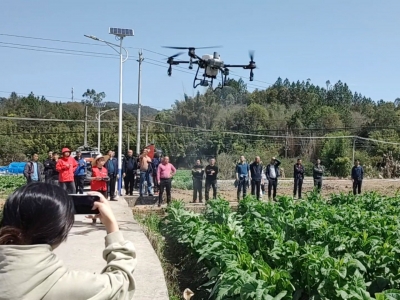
(84, 203)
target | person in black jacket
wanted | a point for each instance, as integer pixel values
(298, 174)
(211, 179)
(272, 174)
(198, 175)
(48, 171)
(318, 172)
(129, 167)
(256, 176)
(357, 175)
(54, 173)
(112, 169)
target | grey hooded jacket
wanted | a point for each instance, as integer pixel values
(35, 272)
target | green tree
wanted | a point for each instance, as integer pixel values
(335, 147)
(93, 97)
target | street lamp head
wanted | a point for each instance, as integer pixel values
(120, 32)
(99, 104)
(92, 37)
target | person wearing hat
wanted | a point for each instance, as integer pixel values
(99, 179)
(66, 167)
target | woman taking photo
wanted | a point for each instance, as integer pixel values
(37, 219)
(99, 179)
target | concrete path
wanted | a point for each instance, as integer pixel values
(84, 246)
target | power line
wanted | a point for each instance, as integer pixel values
(56, 40)
(96, 54)
(58, 97)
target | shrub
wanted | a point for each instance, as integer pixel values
(341, 167)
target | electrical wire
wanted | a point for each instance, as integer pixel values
(95, 54)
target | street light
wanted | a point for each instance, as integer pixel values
(98, 116)
(119, 35)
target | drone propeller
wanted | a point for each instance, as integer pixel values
(170, 60)
(176, 55)
(251, 55)
(188, 48)
(252, 64)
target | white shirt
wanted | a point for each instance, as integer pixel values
(272, 173)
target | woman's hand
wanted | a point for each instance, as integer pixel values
(106, 214)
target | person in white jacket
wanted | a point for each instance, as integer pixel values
(37, 219)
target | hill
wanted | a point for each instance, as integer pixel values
(146, 111)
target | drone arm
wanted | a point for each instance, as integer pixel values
(236, 66)
(185, 62)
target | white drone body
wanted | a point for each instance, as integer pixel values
(213, 64)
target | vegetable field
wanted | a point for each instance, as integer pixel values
(183, 180)
(344, 248)
(10, 183)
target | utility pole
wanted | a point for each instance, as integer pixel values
(147, 135)
(140, 60)
(286, 142)
(128, 141)
(72, 94)
(85, 144)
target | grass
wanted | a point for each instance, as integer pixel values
(151, 226)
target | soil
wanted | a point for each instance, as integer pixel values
(285, 187)
(226, 189)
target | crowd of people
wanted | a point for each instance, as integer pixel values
(148, 175)
(260, 179)
(152, 176)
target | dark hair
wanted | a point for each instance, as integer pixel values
(37, 213)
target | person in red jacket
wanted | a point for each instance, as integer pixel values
(99, 179)
(66, 167)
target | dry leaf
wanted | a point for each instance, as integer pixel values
(187, 294)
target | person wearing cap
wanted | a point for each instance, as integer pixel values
(66, 167)
(99, 179)
(80, 173)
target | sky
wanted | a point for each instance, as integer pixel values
(356, 42)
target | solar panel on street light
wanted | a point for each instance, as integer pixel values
(99, 104)
(121, 32)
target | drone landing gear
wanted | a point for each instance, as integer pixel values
(204, 82)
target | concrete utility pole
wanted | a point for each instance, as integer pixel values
(147, 135)
(128, 141)
(85, 137)
(140, 60)
(72, 94)
(286, 142)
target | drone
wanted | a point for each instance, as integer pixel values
(212, 65)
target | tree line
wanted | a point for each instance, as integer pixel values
(230, 121)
